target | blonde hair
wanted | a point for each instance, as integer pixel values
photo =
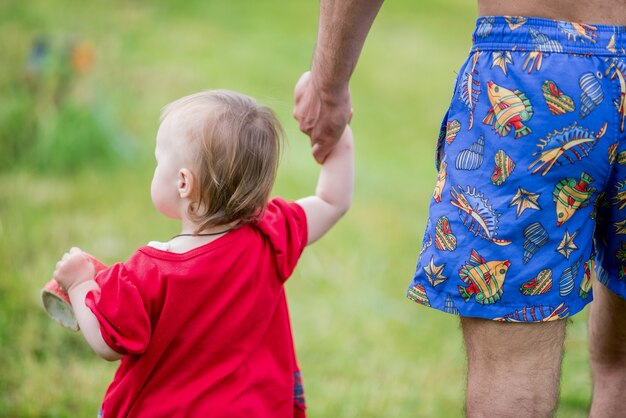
(236, 155)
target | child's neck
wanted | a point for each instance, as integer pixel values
(190, 237)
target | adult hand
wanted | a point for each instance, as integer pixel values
(74, 268)
(322, 115)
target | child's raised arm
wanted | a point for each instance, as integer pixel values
(333, 194)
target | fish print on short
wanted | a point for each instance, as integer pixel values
(570, 195)
(484, 279)
(509, 109)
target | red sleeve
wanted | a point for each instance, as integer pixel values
(286, 227)
(120, 308)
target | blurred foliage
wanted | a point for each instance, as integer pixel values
(48, 120)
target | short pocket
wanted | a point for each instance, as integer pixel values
(448, 129)
(443, 130)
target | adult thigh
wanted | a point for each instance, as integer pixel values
(607, 327)
(513, 368)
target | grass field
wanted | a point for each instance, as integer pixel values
(364, 349)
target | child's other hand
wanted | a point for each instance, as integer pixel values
(74, 268)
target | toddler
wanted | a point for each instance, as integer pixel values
(200, 322)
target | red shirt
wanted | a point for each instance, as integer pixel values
(206, 332)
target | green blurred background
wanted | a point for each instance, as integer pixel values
(82, 85)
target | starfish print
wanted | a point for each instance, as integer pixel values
(567, 246)
(524, 199)
(434, 273)
(620, 227)
(501, 59)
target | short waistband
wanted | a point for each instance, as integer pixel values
(547, 35)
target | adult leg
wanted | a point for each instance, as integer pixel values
(513, 368)
(607, 349)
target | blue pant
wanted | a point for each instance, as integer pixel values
(530, 196)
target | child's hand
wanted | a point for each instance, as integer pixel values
(321, 117)
(74, 268)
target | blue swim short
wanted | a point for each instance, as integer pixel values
(530, 196)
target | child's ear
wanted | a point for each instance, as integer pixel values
(185, 183)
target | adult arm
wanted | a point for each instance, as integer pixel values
(322, 97)
(333, 194)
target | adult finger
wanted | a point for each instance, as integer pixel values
(320, 152)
